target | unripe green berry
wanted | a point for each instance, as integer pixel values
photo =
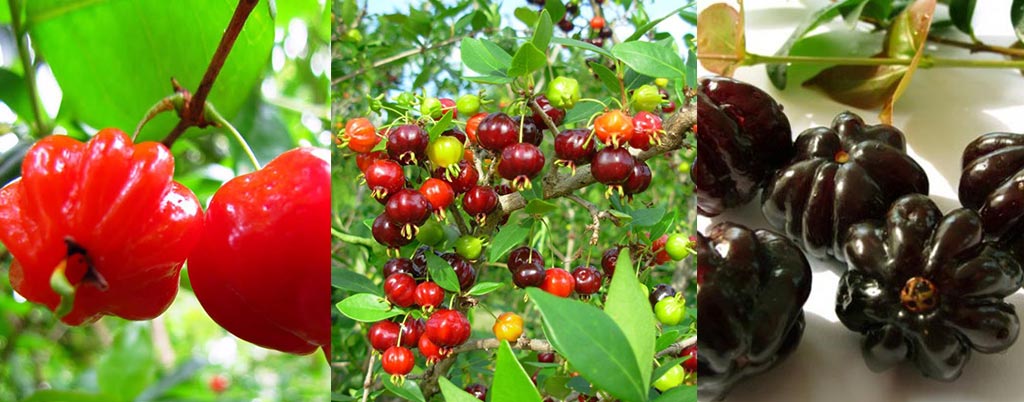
(468, 105)
(563, 92)
(646, 98)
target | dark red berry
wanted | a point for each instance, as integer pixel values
(639, 179)
(690, 365)
(605, 33)
(397, 361)
(396, 266)
(660, 292)
(400, 289)
(448, 105)
(478, 390)
(388, 233)
(531, 131)
(599, 42)
(384, 177)
(608, 260)
(497, 131)
(504, 189)
(522, 256)
(588, 280)
(479, 202)
(566, 25)
(572, 8)
(612, 166)
(520, 163)
(463, 270)
(419, 261)
(529, 275)
(412, 330)
(467, 178)
(364, 161)
(429, 295)
(448, 328)
(555, 114)
(547, 357)
(455, 133)
(407, 144)
(573, 148)
(383, 335)
(408, 208)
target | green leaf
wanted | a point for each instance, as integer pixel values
(593, 343)
(608, 78)
(527, 15)
(628, 306)
(527, 60)
(114, 86)
(777, 72)
(441, 272)
(540, 207)
(509, 237)
(483, 288)
(647, 217)
(650, 25)
(511, 383)
(582, 45)
(409, 390)
(129, 365)
(666, 339)
(50, 395)
(439, 128)
(667, 222)
(681, 393)
(353, 282)
(555, 9)
(1017, 18)
(666, 366)
(543, 31)
(651, 59)
(484, 57)
(452, 393)
(489, 79)
(5, 12)
(14, 93)
(721, 34)
(348, 12)
(367, 307)
(865, 87)
(961, 12)
(832, 44)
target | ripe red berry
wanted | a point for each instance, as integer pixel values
(384, 177)
(439, 194)
(430, 350)
(647, 130)
(529, 275)
(407, 144)
(587, 280)
(690, 365)
(429, 296)
(670, 105)
(397, 361)
(383, 335)
(497, 131)
(479, 202)
(573, 148)
(558, 282)
(614, 128)
(546, 357)
(360, 135)
(463, 270)
(612, 166)
(412, 330)
(521, 256)
(388, 233)
(597, 23)
(658, 248)
(448, 105)
(400, 289)
(479, 391)
(639, 179)
(448, 328)
(467, 178)
(519, 163)
(409, 209)
(608, 261)
(555, 114)
(472, 124)
(219, 384)
(363, 161)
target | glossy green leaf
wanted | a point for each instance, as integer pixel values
(681, 393)
(667, 223)
(129, 364)
(367, 307)
(453, 393)
(527, 15)
(543, 31)
(593, 343)
(962, 12)
(483, 288)
(487, 60)
(1017, 18)
(527, 59)
(511, 383)
(14, 93)
(353, 282)
(628, 306)
(114, 86)
(349, 10)
(721, 35)
(509, 237)
(409, 390)
(5, 12)
(651, 59)
(440, 126)
(647, 217)
(608, 77)
(865, 87)
(917, 20)
(581, 45)
(540, 207)
(831, 44)
(556, 9)
(777, 72)
(640, 31)
(666, 339)
(441, 272)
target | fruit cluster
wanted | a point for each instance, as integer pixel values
(921, 286)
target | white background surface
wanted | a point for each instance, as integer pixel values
(942, 111)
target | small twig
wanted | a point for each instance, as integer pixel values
(596, 214)
(677, 347)
(408, 53)
(21, 38)
(369, 376)
(461, 223)
(975, 47)
(547, 119)
(193, 111)
(536, 345)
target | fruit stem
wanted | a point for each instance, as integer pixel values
(20, 36)
(927, 61)
(219, 120)
(60, 285)
(350, 239)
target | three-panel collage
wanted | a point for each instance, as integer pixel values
(511, 200)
